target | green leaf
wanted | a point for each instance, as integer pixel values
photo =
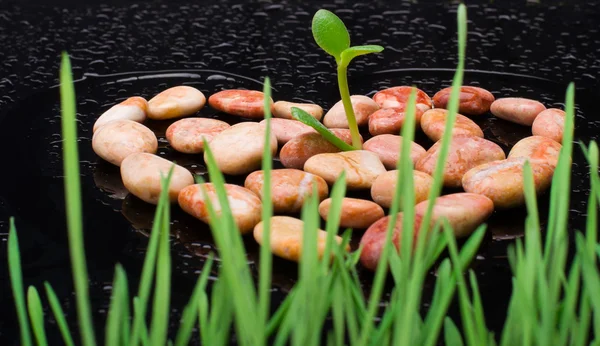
(59, 315)
(115, 318)
(330, 33)
(264, 282)
(191, 309)
(451, 333)
(16, 281)
(309, 120)
(73, 202)
(352, 52)
(36, 315)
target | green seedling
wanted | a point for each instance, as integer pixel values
(331, 35)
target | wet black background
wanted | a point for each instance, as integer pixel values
(215, 43)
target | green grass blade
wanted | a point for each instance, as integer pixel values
(338, 192)
(162, 290)
(309, 120)
(264, 286)
(191, 309)
(59, 315)
(73, 202)
(453, 103)
(16, 280)
(36, 315)
(115, 319)
(232, 254)
(451, 334)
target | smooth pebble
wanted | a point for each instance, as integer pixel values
(472, 100)
(537, 148)
(433, 123)
(289, 188)
(517, 110)
(188, 135)
(239, 148)
(244, 204)
(391, 120)
(142, 173)
(384, 187)
(283, 109)
(120, 138)
(362, 167)
(286, 129)
(134, 109)
(363, 107)
(549, 123)
(286, 237)
(502, 180)
(355, 213)
(388, 148)
(176, 102)
(243, 103)
(299, 149)
(397, 97)
(464, 211)
(465, 152)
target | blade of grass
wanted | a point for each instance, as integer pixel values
(191, 309)
(115, 319)
(309, 120)
(453, 103)
(59, 315)
(338, 191)
(232, 253)
(162, 290)
(73, 202)
(451, 333)
(16, 281)
(36, 315)
(264, 286)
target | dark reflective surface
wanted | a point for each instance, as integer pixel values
(214, 47)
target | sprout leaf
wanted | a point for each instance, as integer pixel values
(330, 33)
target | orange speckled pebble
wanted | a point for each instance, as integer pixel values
(176, 102)
(390, 120)
(518, 110)
(465, 152)
(286, 129)
(387, 147)
(363, 106)
(397, 97)
(356, 213)
(502, 180)
(373, 240)
(134, 109)
(239, 148)
(283, 109)
(245, 205)
(384, 187)
(287, 236)
(537, 148)
(464, 211)
(120, 138)
(550, 123)
(433, 123)
(361, 166)
(299, 149)
(473, 100)
(188, 135)
(289, 188)
(142, 173)
(243, 103)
